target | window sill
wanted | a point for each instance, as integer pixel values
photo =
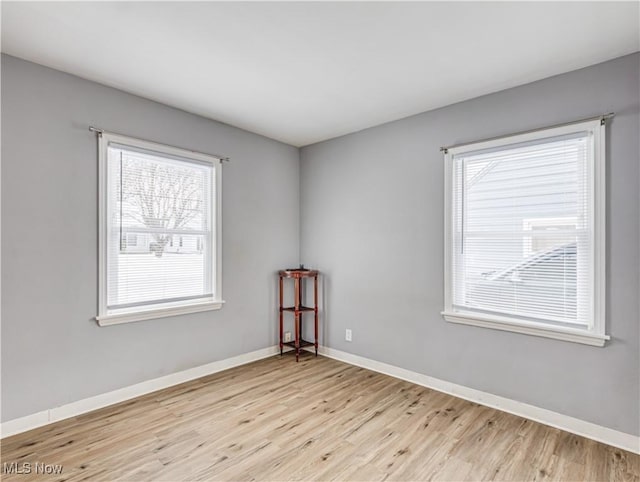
(116, 319)
(527, 328)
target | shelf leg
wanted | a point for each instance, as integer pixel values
(300, 304)
(281, 316)
(298, 292)
(315, 306)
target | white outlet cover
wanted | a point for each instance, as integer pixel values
(348, 335)
(287, 336)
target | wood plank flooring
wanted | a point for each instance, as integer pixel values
(319, 419)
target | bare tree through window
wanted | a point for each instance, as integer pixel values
(161, 197)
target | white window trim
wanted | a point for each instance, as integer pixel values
(594, 335)
(106, 319)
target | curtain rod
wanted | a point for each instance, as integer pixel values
(603, 119)
(99, 131)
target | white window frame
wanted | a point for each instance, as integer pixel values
(594, 334)
(106, 318)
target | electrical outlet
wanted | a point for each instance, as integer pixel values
(287, 336)
(347, 335)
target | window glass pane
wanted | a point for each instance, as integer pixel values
(160, 240)
(522, 237)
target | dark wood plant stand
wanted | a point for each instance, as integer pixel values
(298, 309)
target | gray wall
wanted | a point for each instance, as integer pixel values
(372, 221)
(53, 352)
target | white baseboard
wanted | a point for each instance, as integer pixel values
(79, 407)
(563, 422)
(547, 417)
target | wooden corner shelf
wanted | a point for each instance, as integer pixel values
(298, 275)
(300, 308)
(302, 342)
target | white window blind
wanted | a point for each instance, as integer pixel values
(522, 231)
(159, 229)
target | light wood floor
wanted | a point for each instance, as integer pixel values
(316, 420)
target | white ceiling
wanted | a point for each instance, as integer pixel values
(304, 72)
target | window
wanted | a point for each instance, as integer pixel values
(524, 234)
(159, 231)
